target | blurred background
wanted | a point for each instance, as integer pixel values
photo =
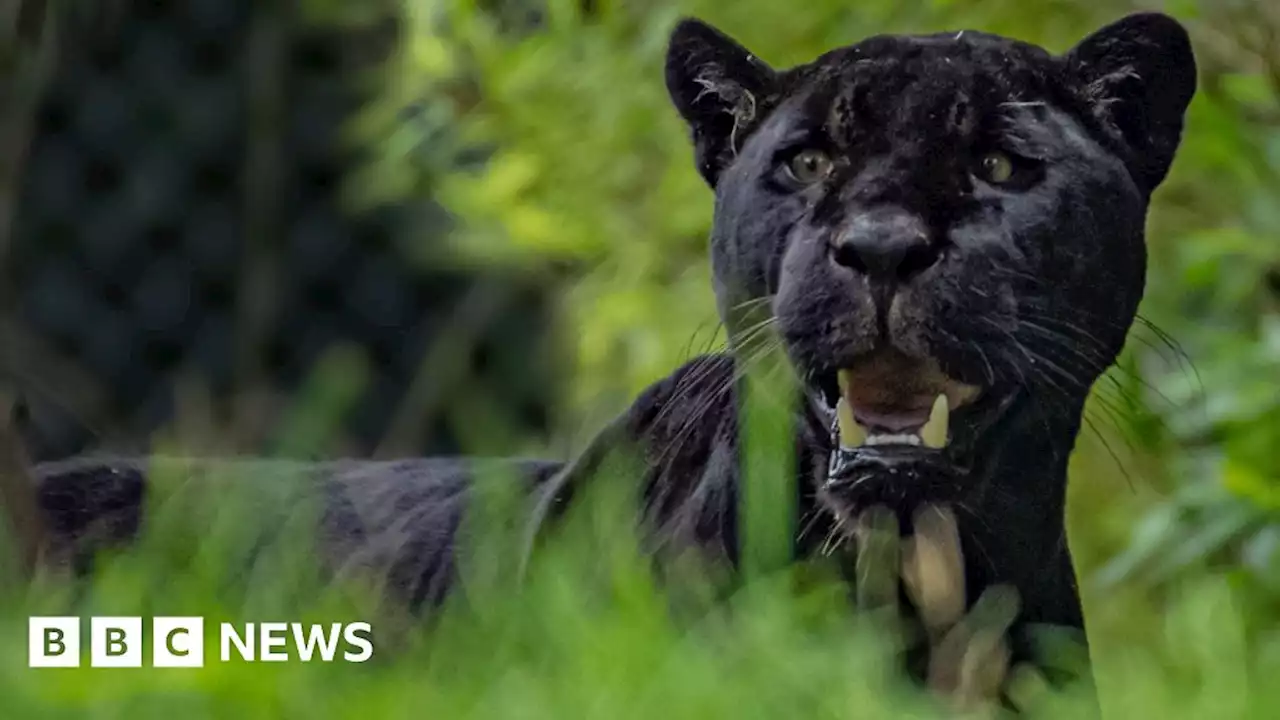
(478, 226)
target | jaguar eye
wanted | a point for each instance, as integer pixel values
(996, 168)
(809, 167)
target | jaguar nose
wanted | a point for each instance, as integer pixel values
(886, 245)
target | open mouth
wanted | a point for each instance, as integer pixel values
(889, 409)
(890, 399)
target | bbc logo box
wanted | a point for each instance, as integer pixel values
(53, 642)
(179, 642)
(115, 642)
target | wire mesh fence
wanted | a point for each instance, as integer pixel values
(177, 239)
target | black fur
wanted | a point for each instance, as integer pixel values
(397, 519)
(1026, 289)
(1029, 288)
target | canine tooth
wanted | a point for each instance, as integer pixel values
(852, 434)
(842, 379)
(934, 432)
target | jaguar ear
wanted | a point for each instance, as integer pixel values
(1139, 75)
(717, 85)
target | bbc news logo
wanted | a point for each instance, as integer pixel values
(179, 642)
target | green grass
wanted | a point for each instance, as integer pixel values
(586, 633)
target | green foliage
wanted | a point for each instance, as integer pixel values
(585, 632)
(1215, 239)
